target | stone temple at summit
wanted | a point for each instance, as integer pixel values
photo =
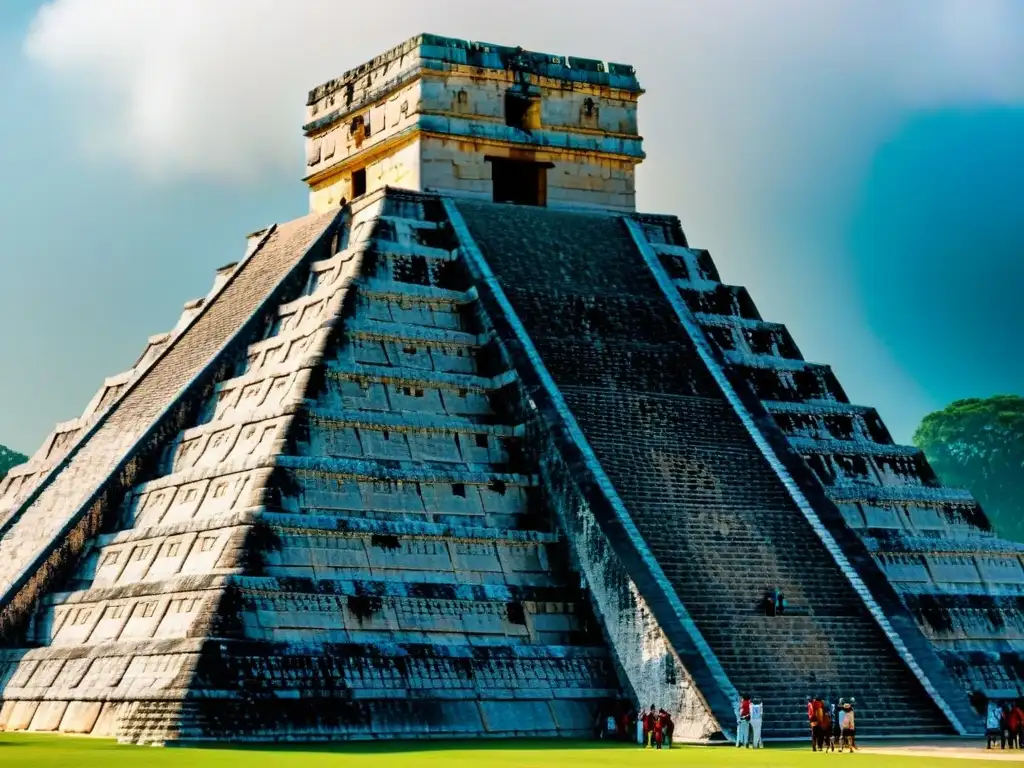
(474, 449)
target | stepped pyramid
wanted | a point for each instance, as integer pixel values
(476, 449)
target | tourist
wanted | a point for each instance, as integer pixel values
(825, 725)
(611, 727)
(834, 708)
(1012, 725)
(649, 719)
(604, 727)
(821, 725)
(659, 731)
(670, 727)
(810, 721)
(841, 724)
(849, 733)
(743, 722)
(993, 724)
(837, 728)
(756, 717)
(1018, 732)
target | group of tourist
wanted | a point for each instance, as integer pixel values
(832, 723)
(654, 728)
(749, 716)
(650, 728)
(1004, 723)
(775, 603)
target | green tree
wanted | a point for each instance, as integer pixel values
(8, 459)
(979, 445)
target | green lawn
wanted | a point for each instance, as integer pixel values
(71, 752)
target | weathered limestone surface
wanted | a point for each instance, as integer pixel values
(431, 115)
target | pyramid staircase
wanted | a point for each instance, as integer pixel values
(715, 515)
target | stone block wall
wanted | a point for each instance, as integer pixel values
(426, 117)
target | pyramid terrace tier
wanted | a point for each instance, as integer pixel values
(307, 544)
(934, 519)
(954, 572)
(357, 386)
(342, 679)
(829, 421)
(303, 608)
(896, 541)
(786, 380)
(971, 622)
(996, 674)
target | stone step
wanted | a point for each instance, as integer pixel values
(414, 422)
(431, 438)
(369, 328)
(406, 471)
(396, 250)
(320, 717)
(375, 667)
(414, 294)
(417, 377)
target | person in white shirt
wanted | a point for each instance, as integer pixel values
(842, 728)
(756, 715)
(849, 728)
(993, 730)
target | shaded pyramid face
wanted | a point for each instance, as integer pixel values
(438, 467)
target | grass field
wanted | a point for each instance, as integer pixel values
(69, 752)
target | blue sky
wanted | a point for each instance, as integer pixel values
(857, 165)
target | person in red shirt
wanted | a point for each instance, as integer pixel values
(659, 732)
(743, 727)
(649, 720)
(810, 723)
(1015, 723)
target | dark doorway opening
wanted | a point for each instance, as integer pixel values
(517, 110)
(358, 183)
(519, 181)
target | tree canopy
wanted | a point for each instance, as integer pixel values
(8, 459)
(978, 444)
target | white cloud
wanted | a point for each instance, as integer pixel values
(215, 88)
